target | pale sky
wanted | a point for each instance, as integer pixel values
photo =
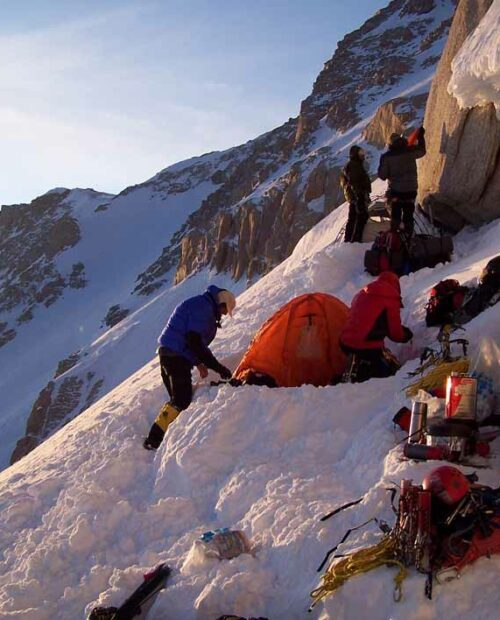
(105, 93)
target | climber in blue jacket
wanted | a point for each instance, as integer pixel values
(184, 344)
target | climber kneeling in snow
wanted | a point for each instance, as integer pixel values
(374, 315)
(357, 186)
(399, 167)
(183, 345)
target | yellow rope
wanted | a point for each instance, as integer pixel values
(359, 562)
(437, 376)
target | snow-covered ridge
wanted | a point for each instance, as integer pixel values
(87, 512)
(475, 76)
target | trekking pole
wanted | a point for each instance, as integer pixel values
(340, 508)
(344, 538)
(232, 382)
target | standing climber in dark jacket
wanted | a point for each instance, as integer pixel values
(375, 315)
(357, 187)
(399, 167)
(184, 344)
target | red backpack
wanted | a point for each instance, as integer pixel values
(389, 246)
(445, 298)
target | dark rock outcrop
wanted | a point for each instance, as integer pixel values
(67, 364)
(77, 276)
(58, 402)
(115, 314)
(6, 333)
(31, 236)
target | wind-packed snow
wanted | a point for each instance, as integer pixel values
(475, 78)
(85, 514)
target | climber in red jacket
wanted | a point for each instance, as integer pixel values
(374, 315)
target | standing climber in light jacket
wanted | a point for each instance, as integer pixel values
(357, 186)
(184, 344)
(398, 166)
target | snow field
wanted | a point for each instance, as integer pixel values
(475, 78)
(85, 514)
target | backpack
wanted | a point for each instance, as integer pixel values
(446, 297)
(388, 253)
(345, 184)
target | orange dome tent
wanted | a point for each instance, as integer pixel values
(299, 343)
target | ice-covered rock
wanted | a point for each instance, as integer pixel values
(459, 179)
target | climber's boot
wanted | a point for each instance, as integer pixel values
(167, 415)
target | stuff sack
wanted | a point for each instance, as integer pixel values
(223, 544)
(429, 251)
(445, 298)
(388, 253)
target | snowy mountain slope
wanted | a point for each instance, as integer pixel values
(88, 511)
(240, 213)
(104, 364)
(110, 241)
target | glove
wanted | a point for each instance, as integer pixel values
(421, 132)
(224, 372)
(408, 334)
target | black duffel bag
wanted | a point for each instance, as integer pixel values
(429, 251)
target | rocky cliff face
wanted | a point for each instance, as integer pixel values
(395, 116)
(460, 176)
(195, 244)
(288, 179)
(369, 61)
(31, 237)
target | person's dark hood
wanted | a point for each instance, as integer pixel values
(399, 144)
(354, 152)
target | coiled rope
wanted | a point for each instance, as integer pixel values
(381, 554)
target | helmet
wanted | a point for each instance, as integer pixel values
(226, 297)
(490, 275)
(447, 483)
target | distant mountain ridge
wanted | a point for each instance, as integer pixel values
(236, 213)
